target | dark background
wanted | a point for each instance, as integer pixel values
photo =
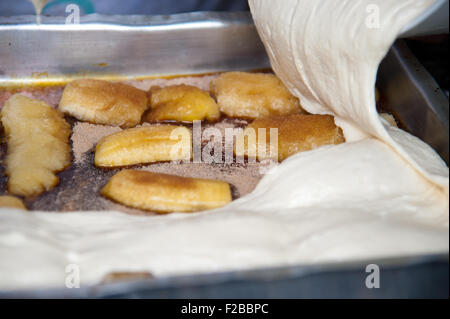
(432, 52)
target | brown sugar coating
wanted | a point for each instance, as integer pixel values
(80, 184)
(86, 135)
(104, 102)
(296, 133)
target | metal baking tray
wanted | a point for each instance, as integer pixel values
(197, 43)
(121, 46)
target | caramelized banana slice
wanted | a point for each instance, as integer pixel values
(296, 133)
(253, 95)
(181, 103)
(103, 102)
(38, 145)
(12, 202)
(166, 193)
(156, 143)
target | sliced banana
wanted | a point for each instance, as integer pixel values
(38, 145)
(253, 95)
(104, 102)
(148, 144)
(166, 193)
(292, 134)
(183, 103)
(11, 202)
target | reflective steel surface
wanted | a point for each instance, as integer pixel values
(128, 46)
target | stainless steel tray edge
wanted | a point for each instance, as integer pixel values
(132, 46)
(412, 94)
(402, 277)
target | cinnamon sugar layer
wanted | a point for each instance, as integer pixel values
(80, 184)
